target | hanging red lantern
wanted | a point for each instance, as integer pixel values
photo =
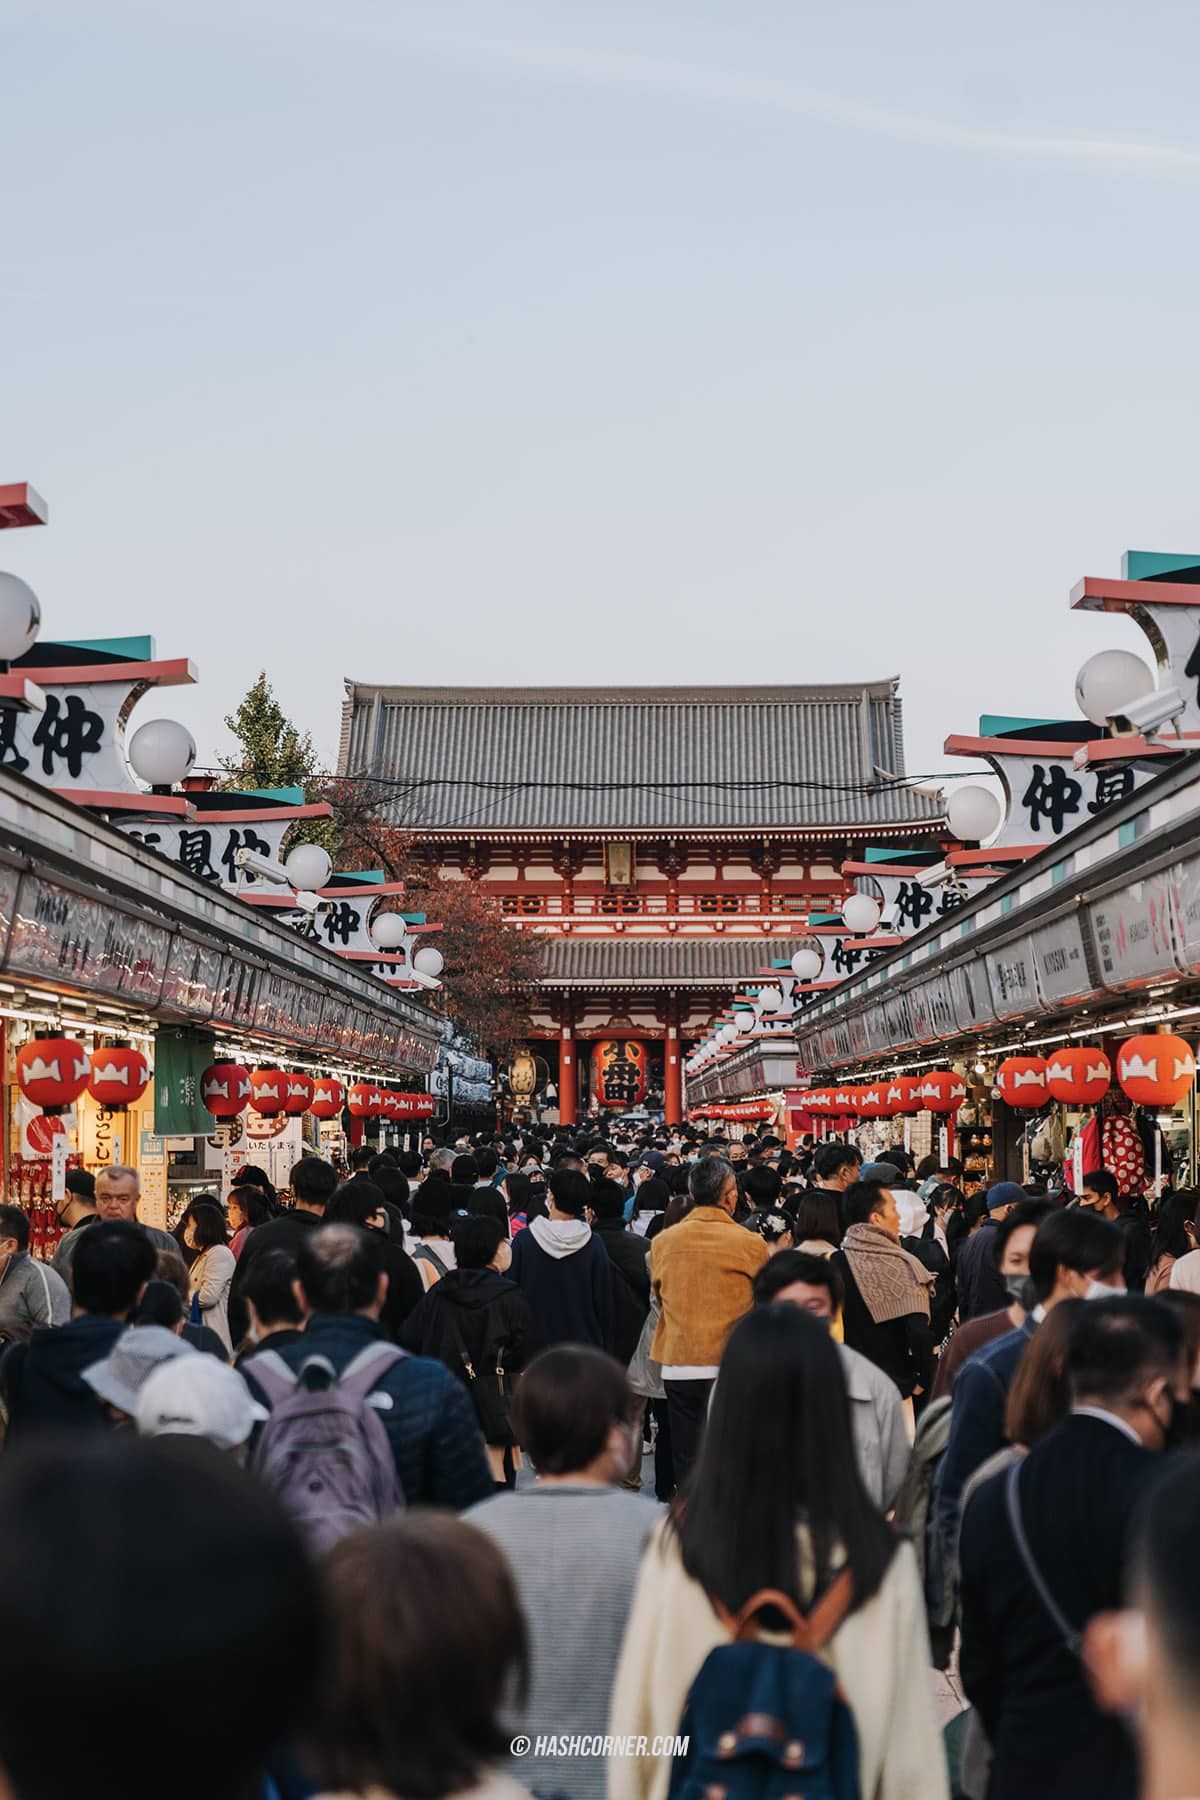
(872, 1101)
(912, 1100)
(816, 1101)
(225, 1089)
(845, 1101)
(268, 1091)
(1079, 1075)
(1022, 1081)
(942, 1091)
(1156, 1069)
(119, 1077)
(393, 1105)
(297, 1095)
(53, 1072)
(328, 1098)
(618, 1072)
(365, 1100)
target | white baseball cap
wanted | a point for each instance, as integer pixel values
(198, 1396)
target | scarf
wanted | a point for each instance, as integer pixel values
(891, 1282)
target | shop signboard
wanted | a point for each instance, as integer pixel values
(9, 882)
(971, 995)
(209, 852)
(1060, 960)
(939, 1001)
(1184, 881)
(78, 740)
(180, 1059)
(1011, 979)
(152, 1173)
(1048, 796)
(63, 935)
(1133, 934)
(101, 1134)
(193, 977)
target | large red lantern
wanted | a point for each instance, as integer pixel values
(297, 1095)
(619, 1072)
(393, 1104)
(1079, 1075)
(1022, 1081)
(225, 1089)
(872, 1100)
(942, 1091)
(1156, 1069)
(845, 1101)
(328, 1098)
(119, 1077)
(53, 1072)
(904, 1096)
(268, 1091)
(365, 1100)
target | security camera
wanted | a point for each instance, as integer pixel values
(1147, 715)
(265, 867)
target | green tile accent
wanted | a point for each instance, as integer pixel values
(996, 724)
(128, 649)
(1144, 565)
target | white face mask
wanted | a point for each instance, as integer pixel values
(1098, 1290)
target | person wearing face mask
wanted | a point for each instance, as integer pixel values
(30, 1292)
(211, 1274)
(574, 1542)
(1044, 1550)
(478, 1323)
(361, 1203)
(1013, 1242)
(1074, 1255)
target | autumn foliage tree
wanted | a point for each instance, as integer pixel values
(490, 965)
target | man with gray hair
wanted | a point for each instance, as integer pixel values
(442, 1161)
(702, 1271)
(118, 1190)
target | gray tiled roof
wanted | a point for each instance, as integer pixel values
(687, 962)
(636, 759)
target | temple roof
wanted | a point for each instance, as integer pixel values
(475, 761)
(676, 961)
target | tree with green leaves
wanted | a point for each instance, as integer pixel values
(273, 753)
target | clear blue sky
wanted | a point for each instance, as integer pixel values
(524, 342)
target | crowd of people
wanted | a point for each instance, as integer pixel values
(588, 1462)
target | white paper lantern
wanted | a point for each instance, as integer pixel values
(429, 961)
(389, 930)
(860, 913)
(308, 866)
(807, 963)
(162, 752)
(772, 999)
(1108, 681)
(973, 814)
(20, 617)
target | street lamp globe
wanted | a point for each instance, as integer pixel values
(389, 931)
(807, 963)
(162, 752)
(1108, 681)
(20, 617)
(772, 999)
(429, 961)
(308, 866)
(861, 913)
(973, 814)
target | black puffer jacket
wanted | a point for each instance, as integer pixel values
(476, 1311)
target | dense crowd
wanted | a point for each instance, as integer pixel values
(596, 1462)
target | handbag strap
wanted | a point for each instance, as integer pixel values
(1012, 1501)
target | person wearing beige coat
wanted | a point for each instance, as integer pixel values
(880, 1654)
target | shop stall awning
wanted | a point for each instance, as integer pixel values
(97, 925)
(1107, 920)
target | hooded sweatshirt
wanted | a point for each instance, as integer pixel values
(567, 1278)
(42, 1381)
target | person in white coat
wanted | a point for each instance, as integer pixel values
(211, 1274)
(777, 1502)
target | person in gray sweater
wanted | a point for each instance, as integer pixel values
(574, 1541)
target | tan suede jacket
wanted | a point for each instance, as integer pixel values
(703, 1271)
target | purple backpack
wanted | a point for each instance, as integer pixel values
(324, 1449)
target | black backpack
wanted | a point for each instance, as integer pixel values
(483, 1374)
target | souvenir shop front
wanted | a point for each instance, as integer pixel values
(149, 1018)
(1050, 1027)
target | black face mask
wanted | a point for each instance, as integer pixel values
(1019, 1289)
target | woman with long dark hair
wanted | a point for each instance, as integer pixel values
(776, 1501)
(1173, 1224)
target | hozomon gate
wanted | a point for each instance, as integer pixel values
(667, 843)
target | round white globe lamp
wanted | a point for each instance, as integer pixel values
(973, 814)
(308, 866)
(162, 752)
(20, 617)
(807, 963)
(772, 999)
(1108, 681)
(429, 961)
(389, 931)
(860, 913)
